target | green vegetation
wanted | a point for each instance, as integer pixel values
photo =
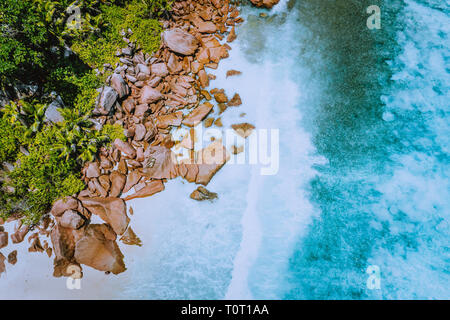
(35, 35)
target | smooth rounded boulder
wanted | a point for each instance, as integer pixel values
(180, 41)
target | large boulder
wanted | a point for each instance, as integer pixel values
(111, 210)
(98, 249)
(62, 205)
(180, 41)
(119, 85)
(210, 160)
(105, 101)
(160, 163)
(118, 181)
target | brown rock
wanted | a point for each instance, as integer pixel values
(210, 160)
(133, 177)
(160, 163)
(130, 238)
(140, 132)
(174, 65)
(235, 101)
(231, 73)
(71, 219)
(218, 53)
(104, 182)
(62, 205)
(198, 114)
(180, 41)
(122, 167)
(98, 250)
(118, 181)
(221, 97)
(2, 264)
(125, 148)
(222, 107)
(205, 26)
(208, 122)
(141, 109)
(265, 3)
(218, 123)
(196, 66)
(150, 95)
(172, 119)
(128, 105)
(243, 129)
(36, 246)
(12, 257)
(111, 210)
(160, 69)
(119, 85)
(232, 36)
(150, 189)
(203, 78)
(19, 235)
(105, 163)
(203, 56)
(3, 239)
(63, 242)
(98, 187)
(202, 194)
(154, 82)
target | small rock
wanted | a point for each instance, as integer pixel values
(221, 97)
(92, 170)
(202, 194)
(130, 238)
(243, 129)
(235, 101)
(125, 148)
(231, 73)
(12, 257)
(150, 95)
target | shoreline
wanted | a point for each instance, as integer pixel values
(162, 91)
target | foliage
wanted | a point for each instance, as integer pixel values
(9, 144)
(34, 39)
(98, 49)
(114, 131)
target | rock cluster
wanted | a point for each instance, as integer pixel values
(147, 96)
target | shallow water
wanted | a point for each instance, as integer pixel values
(363, 174)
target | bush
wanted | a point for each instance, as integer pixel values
(9, 144)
